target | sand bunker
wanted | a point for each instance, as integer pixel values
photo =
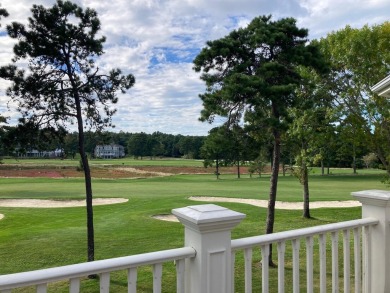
(169, 218)
(282, 205)
(43, 203)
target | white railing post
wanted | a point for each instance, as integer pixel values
(376, 204)
(208, 230)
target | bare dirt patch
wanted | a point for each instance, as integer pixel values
(191, 170)
(43, 203)
(72, 172)
(108, 171)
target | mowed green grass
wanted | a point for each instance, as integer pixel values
(147, 161)
(335, 187)
(35, 238)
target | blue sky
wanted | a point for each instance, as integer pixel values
(156, 40)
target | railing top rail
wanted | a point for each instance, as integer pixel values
(300, 233)
(89, 268)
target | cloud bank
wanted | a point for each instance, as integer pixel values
(156, 40)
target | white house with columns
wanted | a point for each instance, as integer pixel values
(109, 151)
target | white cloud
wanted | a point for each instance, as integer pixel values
(160, 101)
(156, 40)
(325, 16)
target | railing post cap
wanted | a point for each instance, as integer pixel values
(208, 217)
(373, 197)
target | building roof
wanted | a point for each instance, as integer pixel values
(382, 88)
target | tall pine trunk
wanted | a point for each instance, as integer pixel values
(88, 193)
(354, 159)
(238, 169)
(306, 196)
(273, 188)
(88, 185)
(217, 167)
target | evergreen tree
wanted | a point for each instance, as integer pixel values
(256, 69)
(62, 85)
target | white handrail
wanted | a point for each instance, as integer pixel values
(75, 271)
(300, 233)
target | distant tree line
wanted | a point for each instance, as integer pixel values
(14, 140)
(222, 146)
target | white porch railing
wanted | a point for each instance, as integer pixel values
(308, 234)
(206, 263)
(73, 273)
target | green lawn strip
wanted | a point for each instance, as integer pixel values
(174, 162)
(289, 189)
(39, 238)
(40, 162)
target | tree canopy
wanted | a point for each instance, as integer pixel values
(63, 83)
(255, 69)
(360, 58)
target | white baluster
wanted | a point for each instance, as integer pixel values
(105, 283)
(157, 276)
(347, 260)
(132, 280)
(335, 262)
(74, 286)
(233, 269)
(180, 275)
(295, 245)
(265, 268)
(367, 260)
(309, 264)
(42, 288)
(281, 252)
(357, 259)
(322, 247)
(248, 270)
